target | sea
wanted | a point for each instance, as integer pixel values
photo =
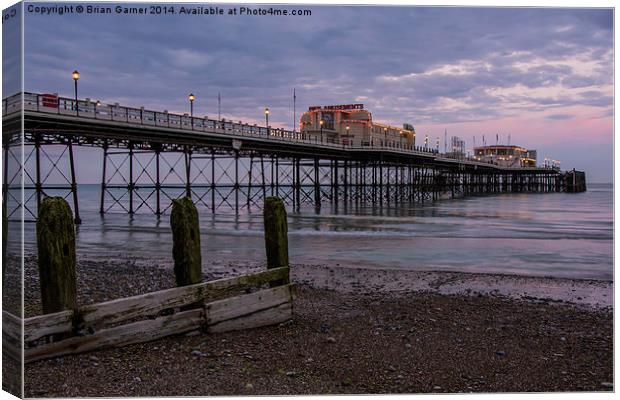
(561, 235)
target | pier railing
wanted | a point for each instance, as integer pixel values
(53, 104)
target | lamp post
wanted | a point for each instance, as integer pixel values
(425, 141)
(267, 119)
(76, 76)
(321, 122)
(385, 137)
(191, 98)
(97, 104)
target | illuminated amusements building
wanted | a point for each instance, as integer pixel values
(506, 156)
(351, 124)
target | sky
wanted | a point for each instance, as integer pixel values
(543, 76)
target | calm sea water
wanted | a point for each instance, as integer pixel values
(558, 234)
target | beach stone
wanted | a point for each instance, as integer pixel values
(607, 384)
(249, 386)
(501, 353)
(331, 339)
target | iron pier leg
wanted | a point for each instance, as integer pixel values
(297, 172)
(188, 166)
(249, 196)
(76, 208)
(103, 178)
(317, 185)
(38, 184)
(336, 178)
(212, 180)
(272, 181)
(157, 184)
(237, 182)
(381, 181)
(277, 176)
(346, 181)
(131, 183)
(262, 174)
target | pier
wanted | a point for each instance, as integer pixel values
(151, 157)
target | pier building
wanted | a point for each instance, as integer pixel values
(506, 156)
(350, 124)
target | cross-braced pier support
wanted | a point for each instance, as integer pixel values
(139, 177)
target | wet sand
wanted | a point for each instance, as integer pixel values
(355, 330)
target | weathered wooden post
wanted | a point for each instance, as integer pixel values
(276, 232)
(186, 242)
(56, 249)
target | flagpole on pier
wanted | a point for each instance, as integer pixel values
(219, 107)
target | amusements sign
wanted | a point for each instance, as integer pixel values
(338, 107)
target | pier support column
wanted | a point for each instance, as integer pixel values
(188, 178)
(38, 184)
(157, 184)
(317, 183)
(212, 180)
(103, 178)
(130, 187)
(76, 207)
(236, 182)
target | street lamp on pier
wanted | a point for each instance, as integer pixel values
(425, 141)
(321, 122)
(76, 76)
(191, 98)
(348, 128)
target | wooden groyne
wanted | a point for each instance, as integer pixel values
(241, 302)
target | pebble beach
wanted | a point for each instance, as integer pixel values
(354, 330)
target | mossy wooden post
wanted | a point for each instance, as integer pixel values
(186, 242)
(56, 250)
(276, 232)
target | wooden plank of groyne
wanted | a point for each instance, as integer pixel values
(238, 306)
(115, 311)
(136, 332)
(270, 316)
(47, 324)
(12, 325)
(11, 336)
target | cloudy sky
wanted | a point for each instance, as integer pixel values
(544, 76)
